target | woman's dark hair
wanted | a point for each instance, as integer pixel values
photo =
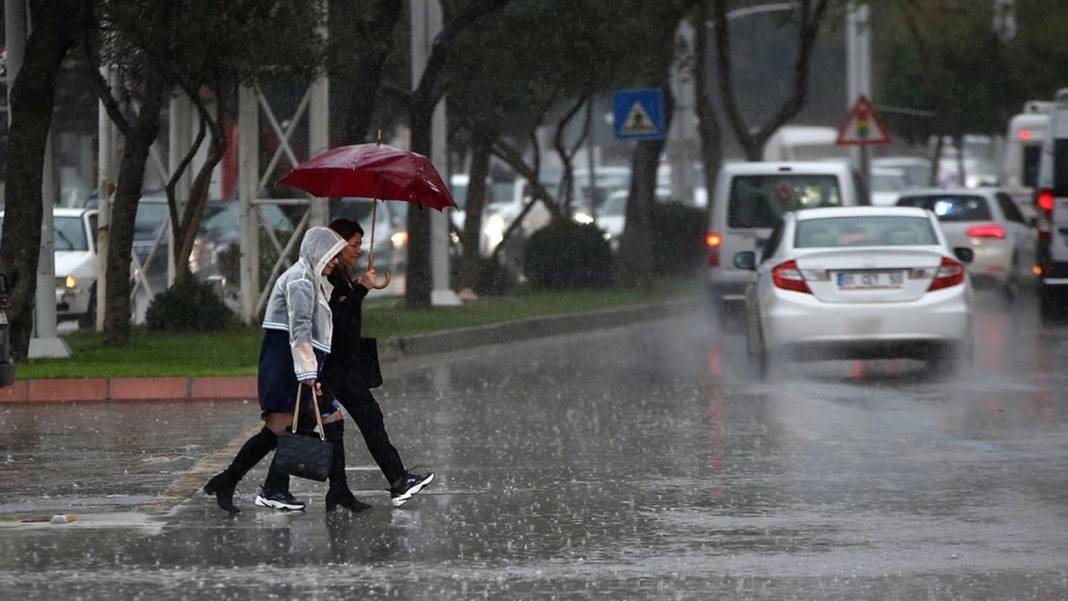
(346, 228)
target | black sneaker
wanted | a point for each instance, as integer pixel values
(410, 486)
(282, 501)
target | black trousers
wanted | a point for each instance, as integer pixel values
(364, 410)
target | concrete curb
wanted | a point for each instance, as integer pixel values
(390, 350)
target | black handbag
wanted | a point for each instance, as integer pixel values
(304, 456)
(367, 362)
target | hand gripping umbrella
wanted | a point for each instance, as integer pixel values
(375, 171)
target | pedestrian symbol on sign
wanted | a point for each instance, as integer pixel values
(638, 121)
(638, 114)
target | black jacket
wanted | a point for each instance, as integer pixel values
(346, 304)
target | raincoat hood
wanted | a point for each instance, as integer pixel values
(320, 244)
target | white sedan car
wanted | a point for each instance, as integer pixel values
(988, 221)
(859, 282)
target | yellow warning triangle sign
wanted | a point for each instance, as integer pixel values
(862, 126)
(638, 121)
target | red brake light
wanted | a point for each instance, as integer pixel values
(788, 277)
(1045, 200)
(950, 273)
(1025, 134)
(987, 230)
(713, 240)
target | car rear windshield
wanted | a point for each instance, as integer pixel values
(757, 201)
(951, 207)
(881, 230)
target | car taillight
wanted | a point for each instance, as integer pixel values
(1045, 202)
(788, 277)
(987, 230)
(950, 273)
(713, 240)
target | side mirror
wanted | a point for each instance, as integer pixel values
(966, 255)
(745, 260)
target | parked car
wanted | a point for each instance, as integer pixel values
(987, 221)
(75, 264)
(750, 199)
(858, 282)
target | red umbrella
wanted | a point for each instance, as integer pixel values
(376, 171)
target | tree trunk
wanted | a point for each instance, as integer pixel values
(752, 140)
(124, 211)
(419, 284)
(707, 122)
(55, 31)
(185, 232)
(476, 201)
(634, 259)
(936, 161)
(374, 24)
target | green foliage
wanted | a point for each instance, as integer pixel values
(206, 42)
(494, 278)
(188, 306)
(565, 254)
(678, 238)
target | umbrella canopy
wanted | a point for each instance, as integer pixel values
(374, 171)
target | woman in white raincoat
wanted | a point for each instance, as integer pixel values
(297, 331)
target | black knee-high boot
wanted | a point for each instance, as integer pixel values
(252, 452)
(339, 493)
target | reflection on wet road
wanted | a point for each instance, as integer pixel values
(637, 463)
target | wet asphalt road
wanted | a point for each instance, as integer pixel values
(635, 463)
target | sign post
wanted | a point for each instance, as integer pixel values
(863, 128)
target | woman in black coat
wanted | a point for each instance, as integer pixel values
(344, 375)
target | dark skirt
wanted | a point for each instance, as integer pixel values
(277, 382)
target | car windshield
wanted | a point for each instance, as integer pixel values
(151, 217)
(951, 207)
(616, 205)
(70, 234)
(759, 200)
(874, 230)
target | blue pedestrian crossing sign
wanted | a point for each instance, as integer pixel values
(638, 114)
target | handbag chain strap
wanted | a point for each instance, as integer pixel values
(315, 410)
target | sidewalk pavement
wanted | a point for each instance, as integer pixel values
(390, 350)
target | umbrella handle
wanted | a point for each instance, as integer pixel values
(384, 283)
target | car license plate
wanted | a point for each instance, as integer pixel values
(869, 280)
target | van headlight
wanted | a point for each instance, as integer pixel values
(70, 282)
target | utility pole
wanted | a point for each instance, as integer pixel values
(858, 67)
(426, 23)
(45, 341)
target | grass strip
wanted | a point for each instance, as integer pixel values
(235, 350)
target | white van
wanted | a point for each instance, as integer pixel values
(748, 201)
(1023, 145)
(1052, 201)
(804, 143)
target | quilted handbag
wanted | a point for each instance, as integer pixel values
(304, 456)
(367, 362)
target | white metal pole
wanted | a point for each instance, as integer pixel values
(178, 143)
(247, 191)
(858, 66)
(107, 161)
(319, 126)
(426, 23)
